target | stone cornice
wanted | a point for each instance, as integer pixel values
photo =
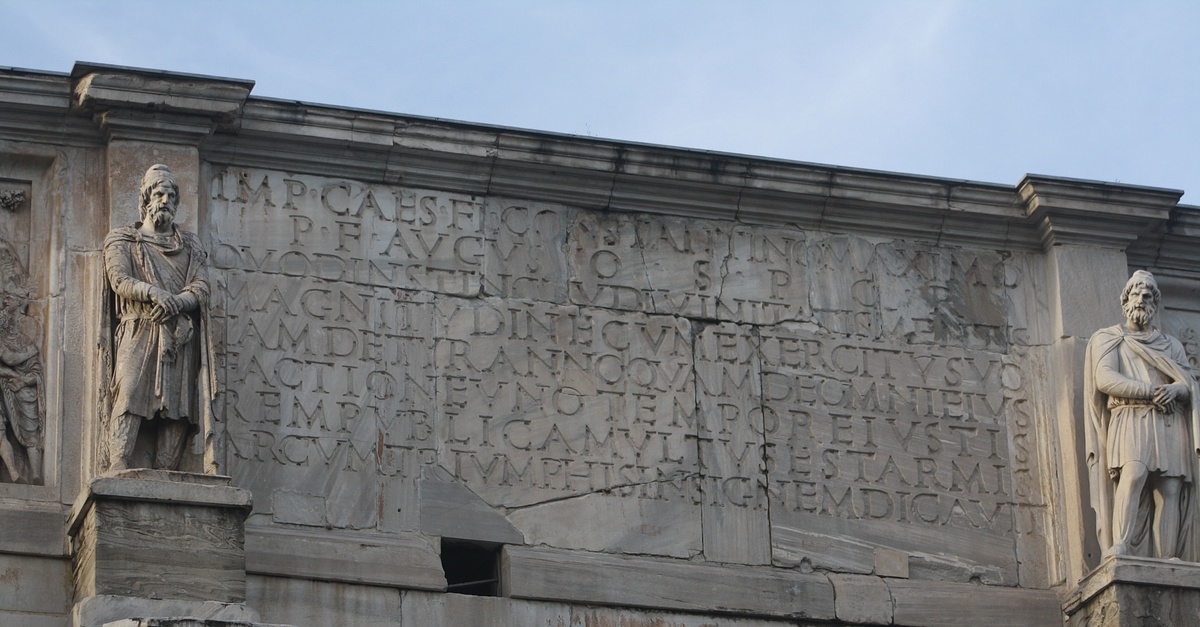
(36, 108)
(1172, 249)
(132, 103)
(621, 176)
(236, 129)
(1091, 213)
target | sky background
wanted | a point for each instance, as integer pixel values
(967, 89)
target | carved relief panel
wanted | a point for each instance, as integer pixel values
(22, 394)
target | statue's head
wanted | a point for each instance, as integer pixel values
(1139, 299)
(159, 197)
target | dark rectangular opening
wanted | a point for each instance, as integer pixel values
(471, 567)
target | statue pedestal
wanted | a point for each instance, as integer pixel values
(153, 543)
(1127, 591)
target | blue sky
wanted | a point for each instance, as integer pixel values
(966, 89)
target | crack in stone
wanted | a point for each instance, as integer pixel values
(725, 269)
(764, 453)
(697, 330)
(608, 490)
(645, 266)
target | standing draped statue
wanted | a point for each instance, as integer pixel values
(1142, 417)
(159, 282)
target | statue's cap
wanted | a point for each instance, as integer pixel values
(1141, 276)
(158, 173)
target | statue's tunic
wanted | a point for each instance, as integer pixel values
(155, 365)
(1138, 430)
(1123, 423)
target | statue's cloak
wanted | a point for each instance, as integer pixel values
(1165, 354)
(145, 345)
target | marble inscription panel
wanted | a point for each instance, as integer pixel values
(760, 395)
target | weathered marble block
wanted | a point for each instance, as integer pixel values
(1129, 591)
(160, 535)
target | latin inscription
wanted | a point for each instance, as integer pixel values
(328, 376)
(347, 232)
(541, 401)
(693, 268)
(372, 330)
(862, 430)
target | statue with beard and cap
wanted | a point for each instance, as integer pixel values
(1141, 407)
(157, 274)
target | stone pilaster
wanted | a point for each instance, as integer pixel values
(149, 118)
(1085, 228)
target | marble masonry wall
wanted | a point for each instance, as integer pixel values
(479, 375)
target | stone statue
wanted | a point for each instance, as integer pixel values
(159, 280)
(1142, 414)
(22, 412)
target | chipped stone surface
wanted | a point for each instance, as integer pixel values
(891, 563)
(862, 599)
(1127, 590)
(634, 526)
(297, 508)
(1131, 605)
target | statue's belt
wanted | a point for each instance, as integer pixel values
(1114, 402)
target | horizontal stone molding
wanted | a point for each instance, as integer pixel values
(374, 146)
(579, 577)
(104, 609)
(677, 585)
(404, 560)
(160, 486)
(37, 109)
(623, 176)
